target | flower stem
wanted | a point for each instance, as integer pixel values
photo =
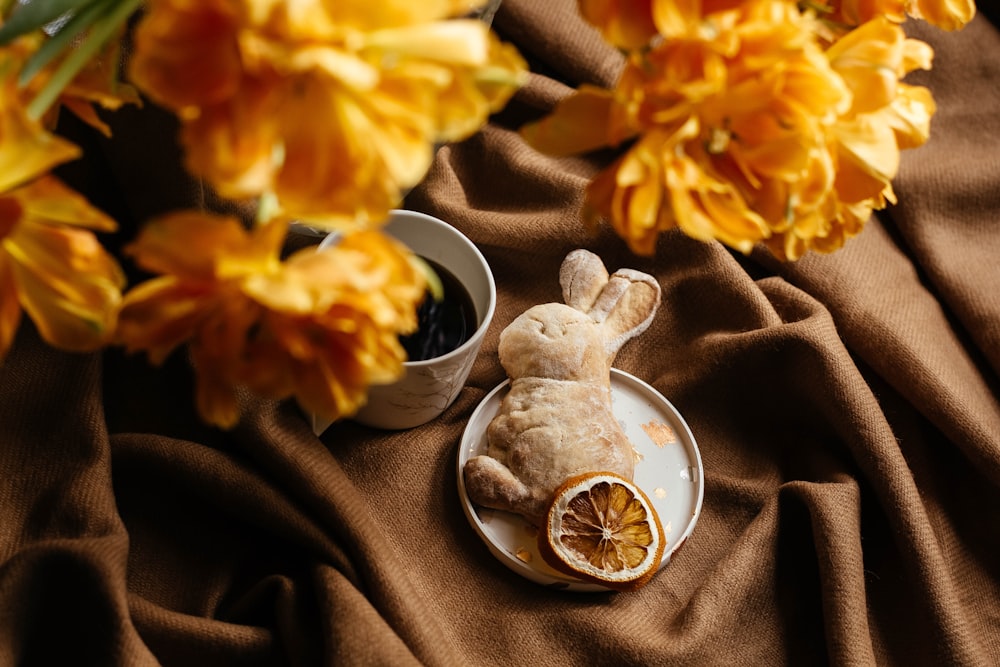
(267, 207)
(60, 42)
(100, 32)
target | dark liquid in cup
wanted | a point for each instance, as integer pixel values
(444, 325)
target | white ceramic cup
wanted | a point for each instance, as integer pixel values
(429, 387)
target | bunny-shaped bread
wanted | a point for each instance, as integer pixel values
(556, 420)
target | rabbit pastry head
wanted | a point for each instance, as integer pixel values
(601, 312)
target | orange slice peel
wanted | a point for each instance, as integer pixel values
(601, 528)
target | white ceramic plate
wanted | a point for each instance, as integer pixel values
(668, 469)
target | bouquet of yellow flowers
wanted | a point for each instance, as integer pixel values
(319, 112)
(750, 121)
(747, 121)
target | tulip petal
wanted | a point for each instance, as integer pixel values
(945, 14)
(47, 201)
(578, 124)
(10, 307)
(26, 150)
(333, 109)
(624, 23)
(73, 303)
(868, 158)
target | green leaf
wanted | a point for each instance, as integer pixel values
(60, 41)
(35, 15)
(434, 284)
(113, 15)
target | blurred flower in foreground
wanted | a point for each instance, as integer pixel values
(885, 116)
(626, 24)
(333, 107)
(97, 84)
(946, 14)
(319, 326)
(741, 127)
(51, 265)
(632, 24)
(65, 55)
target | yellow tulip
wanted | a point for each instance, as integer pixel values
(51, 265)
(746, 125)
(334, 110)
(626, 24)
(945, 14)
(319, 326)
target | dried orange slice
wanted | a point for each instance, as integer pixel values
(601, 528)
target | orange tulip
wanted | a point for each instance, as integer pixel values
(335, 111)
(945, 14)
(51, 265)
(319, 326)
(745, 130)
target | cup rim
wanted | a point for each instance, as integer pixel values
(491, 304)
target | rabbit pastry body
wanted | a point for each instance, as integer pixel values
(556, 420)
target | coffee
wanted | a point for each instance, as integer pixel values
(442, 325)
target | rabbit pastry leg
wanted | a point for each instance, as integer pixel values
(490, 483)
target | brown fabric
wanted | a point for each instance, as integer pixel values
(847, 410)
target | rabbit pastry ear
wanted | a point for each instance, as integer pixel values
(582, 276)
(623, 304)
(625, 308)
